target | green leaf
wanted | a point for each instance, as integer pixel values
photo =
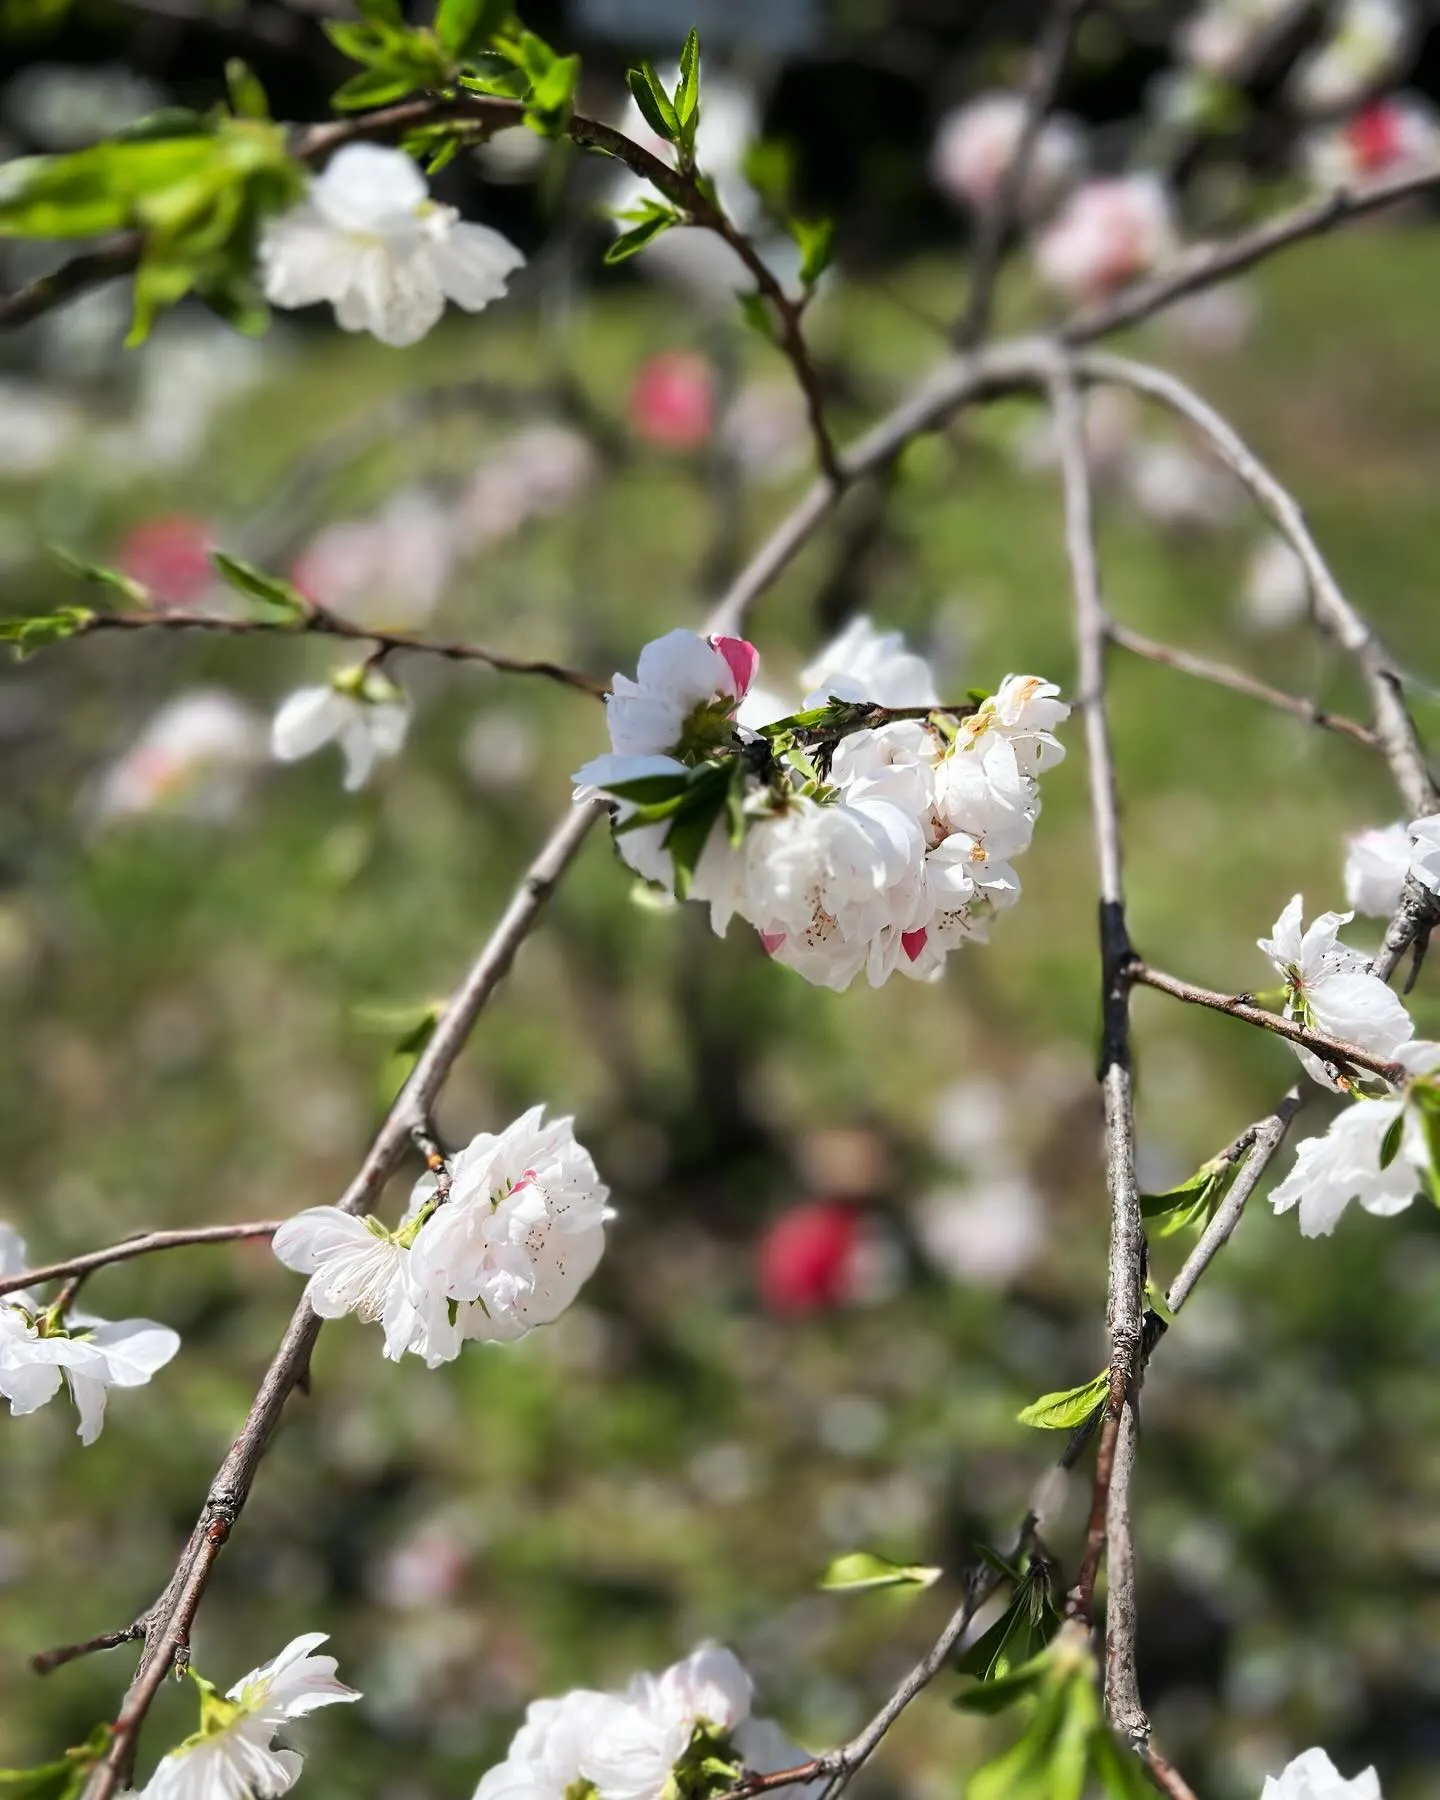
(651, 218)
(134, 592)
(372, 87)
(1195, 1200)
(1120, 1772)
(990, 1697)
(1073, 1406)
(755, 311)
(463, 24)
(255, 584)
(1021, 1632)
(687, 94)
(1390, 1143)
(95, 190)
(859, 1570)
(646, 790)
(247, 97)
(382, 12)
(816, 239)
(548, 102)
(493, 73)
(654, 103)
(64, 1779)
(769, 167)
(34, 633)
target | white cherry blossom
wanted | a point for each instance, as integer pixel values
(232, 1756)
(521, 1233)
(1425, 853)
(1329, 988)
(1178, 488)
(90, 1355)
(682, 704)
(864, 664)
(1376, 863)
(1344, 1165)
(360, 710)
(368, 239)
(1312, 1776)
(1107, 233)
(356, 1265)
(1219, 38)
(976, 143)
(545, 1753)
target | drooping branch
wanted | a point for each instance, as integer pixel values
(143, 1244)
(1239, 682)
(1394, 728)
(1047, 70)
(319, 622)
(1239, 1006)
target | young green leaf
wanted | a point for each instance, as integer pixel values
(687, 94)
(255, 584)
(63, 1779)
(650, 219)
(859, 1570)
(135, 592)
(645, 790)
(755, 311)
(1063, 1411)
(816, 241)
(247, 97)
(655, 104)
(34, 633)
(1390, 1143)
(466, 25)
(382, 12)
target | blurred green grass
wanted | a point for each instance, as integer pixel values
(183, 1045)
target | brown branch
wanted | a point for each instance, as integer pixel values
(1047, 70)
(48, 1660)
(1125, 1307)
(1221, 675)
(117, 256)
(143, 1244)
(1211, 263)
(1169, 1777)
(1239, 1006)
(319, 622)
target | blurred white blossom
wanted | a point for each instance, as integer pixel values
(359, 709)
(369, 240)
(195, 758)
(1394, 135)
(1275, 589)
(1312, 1776)
(389, 571)
(976, 143)
(1368, 44)
(1377, 863)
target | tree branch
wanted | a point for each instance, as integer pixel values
(1115, 1457)
(1208, 264)
(1239, 1006)
(1394, 727)
(322, 623)
(1221, 675)
(1047, 70)
(143, 1244)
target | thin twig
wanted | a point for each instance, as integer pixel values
(1047, 70)
(1394, 727)
(48, 1660)
(317, 621)
(144, 1244)
(1332, 1049)
(1125, 1309)
(116, 257)
(1222, 675)
(1265, 1139)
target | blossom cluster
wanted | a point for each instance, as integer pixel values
(846, 844)
(676, 1733)
(39, 1348)
(503, 1241)
(1377, 1150)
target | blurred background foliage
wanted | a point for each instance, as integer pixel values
(202, 997)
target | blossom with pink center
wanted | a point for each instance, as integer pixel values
(1394, 135)
(1107, 233)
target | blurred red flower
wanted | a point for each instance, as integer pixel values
(672, 401)
(806, 1259)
